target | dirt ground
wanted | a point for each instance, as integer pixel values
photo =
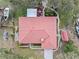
(72, 55)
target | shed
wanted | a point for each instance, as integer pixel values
(31, 12)
(64, 35)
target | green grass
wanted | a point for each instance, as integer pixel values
(4, 3)
(19, 53)
(69, 47)
(26, 52)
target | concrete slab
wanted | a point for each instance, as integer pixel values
(48, 54)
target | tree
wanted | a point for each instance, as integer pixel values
(7, 54)
(20, 6)
(66, 10)
(76, 8)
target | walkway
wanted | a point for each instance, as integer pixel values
(48, 53)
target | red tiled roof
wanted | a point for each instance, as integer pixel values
(37, 35)
(33, 29)
(64, 35)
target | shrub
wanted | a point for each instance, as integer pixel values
(69, 47)
(49, 12)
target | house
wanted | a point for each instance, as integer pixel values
(38, 32)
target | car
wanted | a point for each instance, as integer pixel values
(6, 13)
(77, 28)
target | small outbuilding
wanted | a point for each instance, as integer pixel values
(31, 12)
(64, 35)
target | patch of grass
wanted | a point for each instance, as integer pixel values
(27, 53)
(69, 47)
(7, 54)
(4, 2)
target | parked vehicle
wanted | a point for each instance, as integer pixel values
(6, 13)
(77, 27)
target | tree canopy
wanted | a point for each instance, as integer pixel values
(67, 9)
